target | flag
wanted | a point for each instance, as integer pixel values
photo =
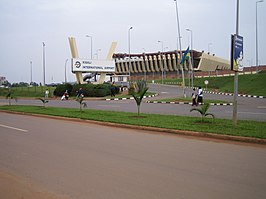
(184, 57)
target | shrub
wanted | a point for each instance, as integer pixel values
(102, 90)
(89, 90)
(93, 90)
(61, 88)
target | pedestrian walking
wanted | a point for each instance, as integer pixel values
(46, 94)
(80, 93)
(194, 97)
(112, 89)
(200, 96)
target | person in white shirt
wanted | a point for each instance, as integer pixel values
(200, 95)
(46, 94)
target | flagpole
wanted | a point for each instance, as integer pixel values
(180, 49)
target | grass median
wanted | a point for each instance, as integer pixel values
(218, 126)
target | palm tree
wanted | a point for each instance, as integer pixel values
(140, 88)
(81, 103)
(44, 101)
(203, 111)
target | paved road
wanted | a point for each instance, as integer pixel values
(248, 108)
(83, 160)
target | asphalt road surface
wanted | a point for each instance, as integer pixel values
(83, 160)
(248, 108)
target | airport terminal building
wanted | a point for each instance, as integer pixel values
(152, 66)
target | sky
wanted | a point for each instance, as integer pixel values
(26, 24)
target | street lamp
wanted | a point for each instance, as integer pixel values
(30, 72)
(43, 57)
(180, 48)
(162, 59)
(257, 50)
(97, 53)
(161, 43)
(209, 47)
(129, 61)
(65, 71)
(91, 43)
(191, 54)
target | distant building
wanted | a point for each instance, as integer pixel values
(150, 66)
(2, 80)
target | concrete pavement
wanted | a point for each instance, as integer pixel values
(91, 161)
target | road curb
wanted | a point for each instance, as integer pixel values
(154, 129)
(188, 103)
(231, 94)
(115, 99)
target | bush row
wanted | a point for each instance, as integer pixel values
(89, 90)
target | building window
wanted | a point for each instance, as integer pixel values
(120, 79)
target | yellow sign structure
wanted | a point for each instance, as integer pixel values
(74, 52)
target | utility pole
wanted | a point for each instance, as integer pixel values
(236, 73)
(129, 61)
(43, 45)
(30, 72)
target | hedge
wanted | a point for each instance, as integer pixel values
(89, 90)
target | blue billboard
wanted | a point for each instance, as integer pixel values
(236, 52)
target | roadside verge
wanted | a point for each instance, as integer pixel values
(154, 129)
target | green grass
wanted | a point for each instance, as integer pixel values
(27, 91)
(247, 84)
(219, 126)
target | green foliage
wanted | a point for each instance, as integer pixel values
(20, 84)
(91, 90)
(87, 88)
(140, 88)
(61, 89)
(102, 90)
(203, 110)
(219, 126)
(247, 84)
(34, 91)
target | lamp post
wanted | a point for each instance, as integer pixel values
(98, 52)
(180, 48)
(43, 59)
(129, 61)
(191, 54)
(257, 49)
(162, 59)
(161, 43)
(30, 72)
(209, 47)
(66, 71)
(236, 72)
(91, 43)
